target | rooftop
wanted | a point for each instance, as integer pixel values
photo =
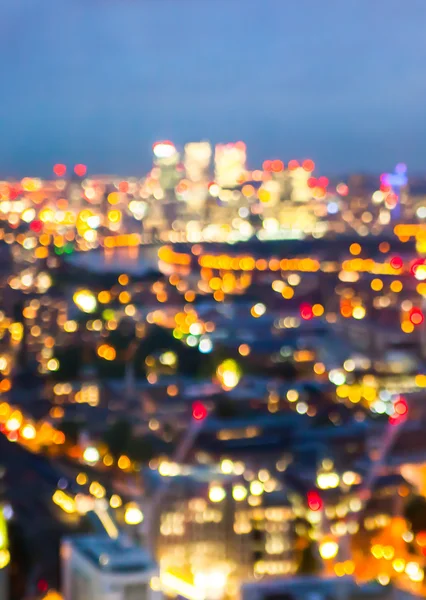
(113, 555)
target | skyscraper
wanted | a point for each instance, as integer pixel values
(166, 158)
(230, 164)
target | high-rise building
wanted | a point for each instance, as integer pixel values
(230, 164)
(166, 158)
(101, 568)
(197, 161)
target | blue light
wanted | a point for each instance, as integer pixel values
(332, 208)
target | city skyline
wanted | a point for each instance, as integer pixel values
(101, 91)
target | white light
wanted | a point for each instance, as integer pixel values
(91, 455)
(164, 150)
(85, 301)
(337, 377)
(133, 514)
(302, 408)
(328, 549)
(205, 346)
(217, 493)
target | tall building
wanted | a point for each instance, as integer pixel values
(217, 535)
(197, 159)
(97, 567)
(230, 164)
(166, 158)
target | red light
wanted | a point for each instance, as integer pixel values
(314, 501)
(385, 188)
(416, 316)
(323, 182)
(13, 193)
(267, 165)
(308, 165)
(36, 226)
(123, 186)
(42, 585)
(312, 182)
(391, 199)
(293, 164)
(277, 166)
(400, 408)
(342, 189)
(59, 170)
(415, 265)
(80, 170)
(199, 411)
(396, 262)
(306, 312)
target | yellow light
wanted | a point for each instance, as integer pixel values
(318, 310)
(217, 493)
(53, 364)
(358, 312)
(328, 549)
(407, 327)
(376, 285)
(123, 279)
(287, 293)
(28, 432)
(81, 479)
(133, 514)
(4, 558)
(355, 249)
(239, 493)
(85, 301)
(115, 501)
(292, 395)
(227, 466)
(256, 488)
(97, 490)
(396, 286)
(399, 565)
(124, 462)
(114, 216)
(228, 373)
(70, 326)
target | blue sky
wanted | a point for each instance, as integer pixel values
(98, 81)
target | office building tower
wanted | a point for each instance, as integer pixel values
(230, 164)
(197, 159)
(166, 158)
(97, 567)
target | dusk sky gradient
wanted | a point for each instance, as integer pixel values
(98, 81)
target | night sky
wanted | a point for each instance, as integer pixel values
(98, 81)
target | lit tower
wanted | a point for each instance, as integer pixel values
(166, 158)
(197, 164)
(397, 182)
(230, 164)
